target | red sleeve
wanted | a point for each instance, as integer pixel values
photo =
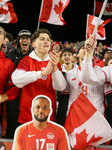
(11, 90)
(24, 63)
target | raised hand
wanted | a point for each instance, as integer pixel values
(90, 45)
(55, 57)
(47, 70)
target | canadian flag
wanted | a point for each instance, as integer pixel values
(51, 11)
(98, 5)
(7, 13)
(85, 125)
(91, 23)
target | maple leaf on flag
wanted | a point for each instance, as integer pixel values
(3, 11)
(109, 9)
(93, 139)
(58, 8)
(51, 11)
(81, 139)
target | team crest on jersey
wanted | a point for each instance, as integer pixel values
(50, 135)
(50, 146)
(44, 77)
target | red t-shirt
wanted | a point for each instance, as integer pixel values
(28, 137)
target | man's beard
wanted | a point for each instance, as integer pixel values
(67, 63)
(40, 120)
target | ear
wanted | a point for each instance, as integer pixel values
(77, 55)
(32, 109)
(49, 110)
(33, 44)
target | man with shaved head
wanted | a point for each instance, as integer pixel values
(40, 133)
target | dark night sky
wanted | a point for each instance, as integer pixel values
(75, 16)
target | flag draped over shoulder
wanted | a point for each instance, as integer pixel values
(85, 125)
(51, 11)
(91, 23)
(98, 5)
(7, 13)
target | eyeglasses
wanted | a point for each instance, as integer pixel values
(108, 52)
(25, 37)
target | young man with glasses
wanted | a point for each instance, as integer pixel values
(24, 48)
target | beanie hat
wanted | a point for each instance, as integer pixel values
(24, 32)
(54, 44)
(75, 44)
(81, 44)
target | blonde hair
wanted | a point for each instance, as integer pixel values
(3, 31)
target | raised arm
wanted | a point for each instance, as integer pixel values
(90, 75)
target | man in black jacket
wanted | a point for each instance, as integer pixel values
(24, 48)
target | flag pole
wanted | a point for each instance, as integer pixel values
(94, 9)
(38, 25)
(40, 14)
(100, 15)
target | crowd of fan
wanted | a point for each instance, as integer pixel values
(16, 49)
